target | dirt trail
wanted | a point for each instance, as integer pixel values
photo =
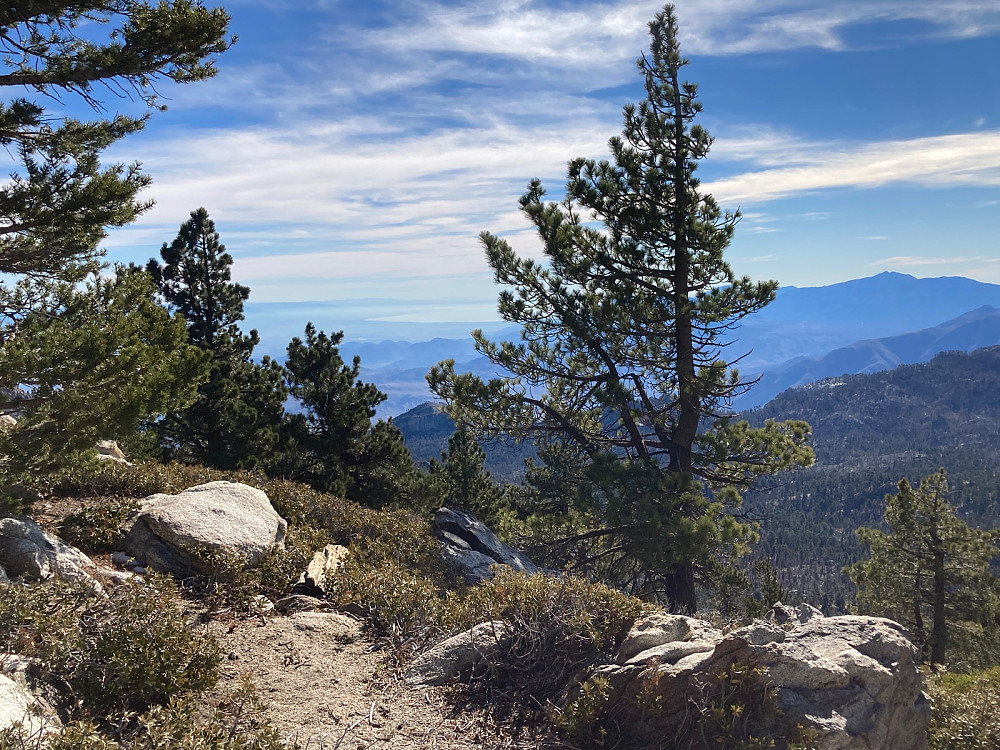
(327, 688)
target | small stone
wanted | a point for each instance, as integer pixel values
(122, 558)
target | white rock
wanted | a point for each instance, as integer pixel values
(19, 707)
(108, 450)
(659, 628)
(122, 558)
(223, 517)
(670, 653)
(323, 564)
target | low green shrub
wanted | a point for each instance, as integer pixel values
(236, 724)
(108, 655)
(965, 712)
(396, 603)
(558, 626)
(40, 621)
(99, 527)
(736, 709)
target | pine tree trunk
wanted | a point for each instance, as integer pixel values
(681, 596)
(939, 634)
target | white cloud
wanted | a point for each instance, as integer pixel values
(906, 261)
(940, 161)
(328, 203)
(597, 34)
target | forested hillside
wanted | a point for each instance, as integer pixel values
(869, 431)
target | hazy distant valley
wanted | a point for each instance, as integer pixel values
(863, 325)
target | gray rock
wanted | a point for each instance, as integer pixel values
(806, 612)
(3, 576)
(468, 543)
(459, 654)
(122, 558)
(219, 517)
(782, 613)
(760, 633)
(28, 551)
(300, 603)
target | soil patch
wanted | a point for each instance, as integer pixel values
(328, 687)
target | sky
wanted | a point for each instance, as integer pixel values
(351, 152)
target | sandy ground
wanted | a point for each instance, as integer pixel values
(327, 687)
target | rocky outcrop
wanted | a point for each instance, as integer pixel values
(108, 450)
(29, 552)
(176, 533)
(18, 706)
(313, 581)
(852, 681)
(459, 655)
(468, 543)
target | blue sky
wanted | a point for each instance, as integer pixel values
(354, 150)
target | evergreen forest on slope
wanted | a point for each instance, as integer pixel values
(869, 431)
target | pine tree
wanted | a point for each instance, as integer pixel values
(60, 200)
(332, 444)
(106, 359)
(464, 483)
(236, 419)
(929, 567)
(622, 341)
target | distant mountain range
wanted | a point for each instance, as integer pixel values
(972, 330)
(870, 431)
(806, 322)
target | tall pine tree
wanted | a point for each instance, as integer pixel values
(57, 206)
(463, 481)
(331, 443)
(235, 421)
(622, 343)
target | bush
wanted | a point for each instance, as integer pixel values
(558, 625)
(234, 725)
(964, 710)
(113, 655)
(99, 527)
(736, 709)
(395, 602)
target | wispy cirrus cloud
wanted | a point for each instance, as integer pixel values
(382, 148)
(940, 161)
(912, 261)
(601, 33)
